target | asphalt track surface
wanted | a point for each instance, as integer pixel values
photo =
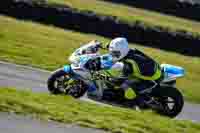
(12, 123)
(23, 77)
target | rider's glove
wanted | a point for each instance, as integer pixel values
(107, 45)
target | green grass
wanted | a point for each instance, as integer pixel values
(68, 110)
(49, 47)
(131, 14)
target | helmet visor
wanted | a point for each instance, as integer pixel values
(116, 54)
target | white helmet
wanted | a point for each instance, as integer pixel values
(118, 48)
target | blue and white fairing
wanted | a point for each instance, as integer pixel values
(172, 72)
(67, 68)
(80, 56)
(78, 69)
(106, 61)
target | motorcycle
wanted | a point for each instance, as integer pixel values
(73, 79)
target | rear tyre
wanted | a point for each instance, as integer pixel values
(170, 99)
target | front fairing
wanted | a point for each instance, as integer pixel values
(80, 61)
(106, 61)
(84, 50)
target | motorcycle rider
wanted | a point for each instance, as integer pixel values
(138, 67)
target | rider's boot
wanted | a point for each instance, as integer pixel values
(143, 101)
(132, 96)
(129, 94)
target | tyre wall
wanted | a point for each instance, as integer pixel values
(89, 22)
(181, 8)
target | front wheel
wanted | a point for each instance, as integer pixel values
(61, 83)
(55, 82)
(170, 100)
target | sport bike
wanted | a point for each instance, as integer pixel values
(75, 80)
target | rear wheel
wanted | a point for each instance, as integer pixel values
(170, 100)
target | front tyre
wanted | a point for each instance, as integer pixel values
(55, 82)
(170, 99)
(61, 83)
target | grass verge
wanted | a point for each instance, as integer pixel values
(68, 110)
(131, 14)
(48, 48)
